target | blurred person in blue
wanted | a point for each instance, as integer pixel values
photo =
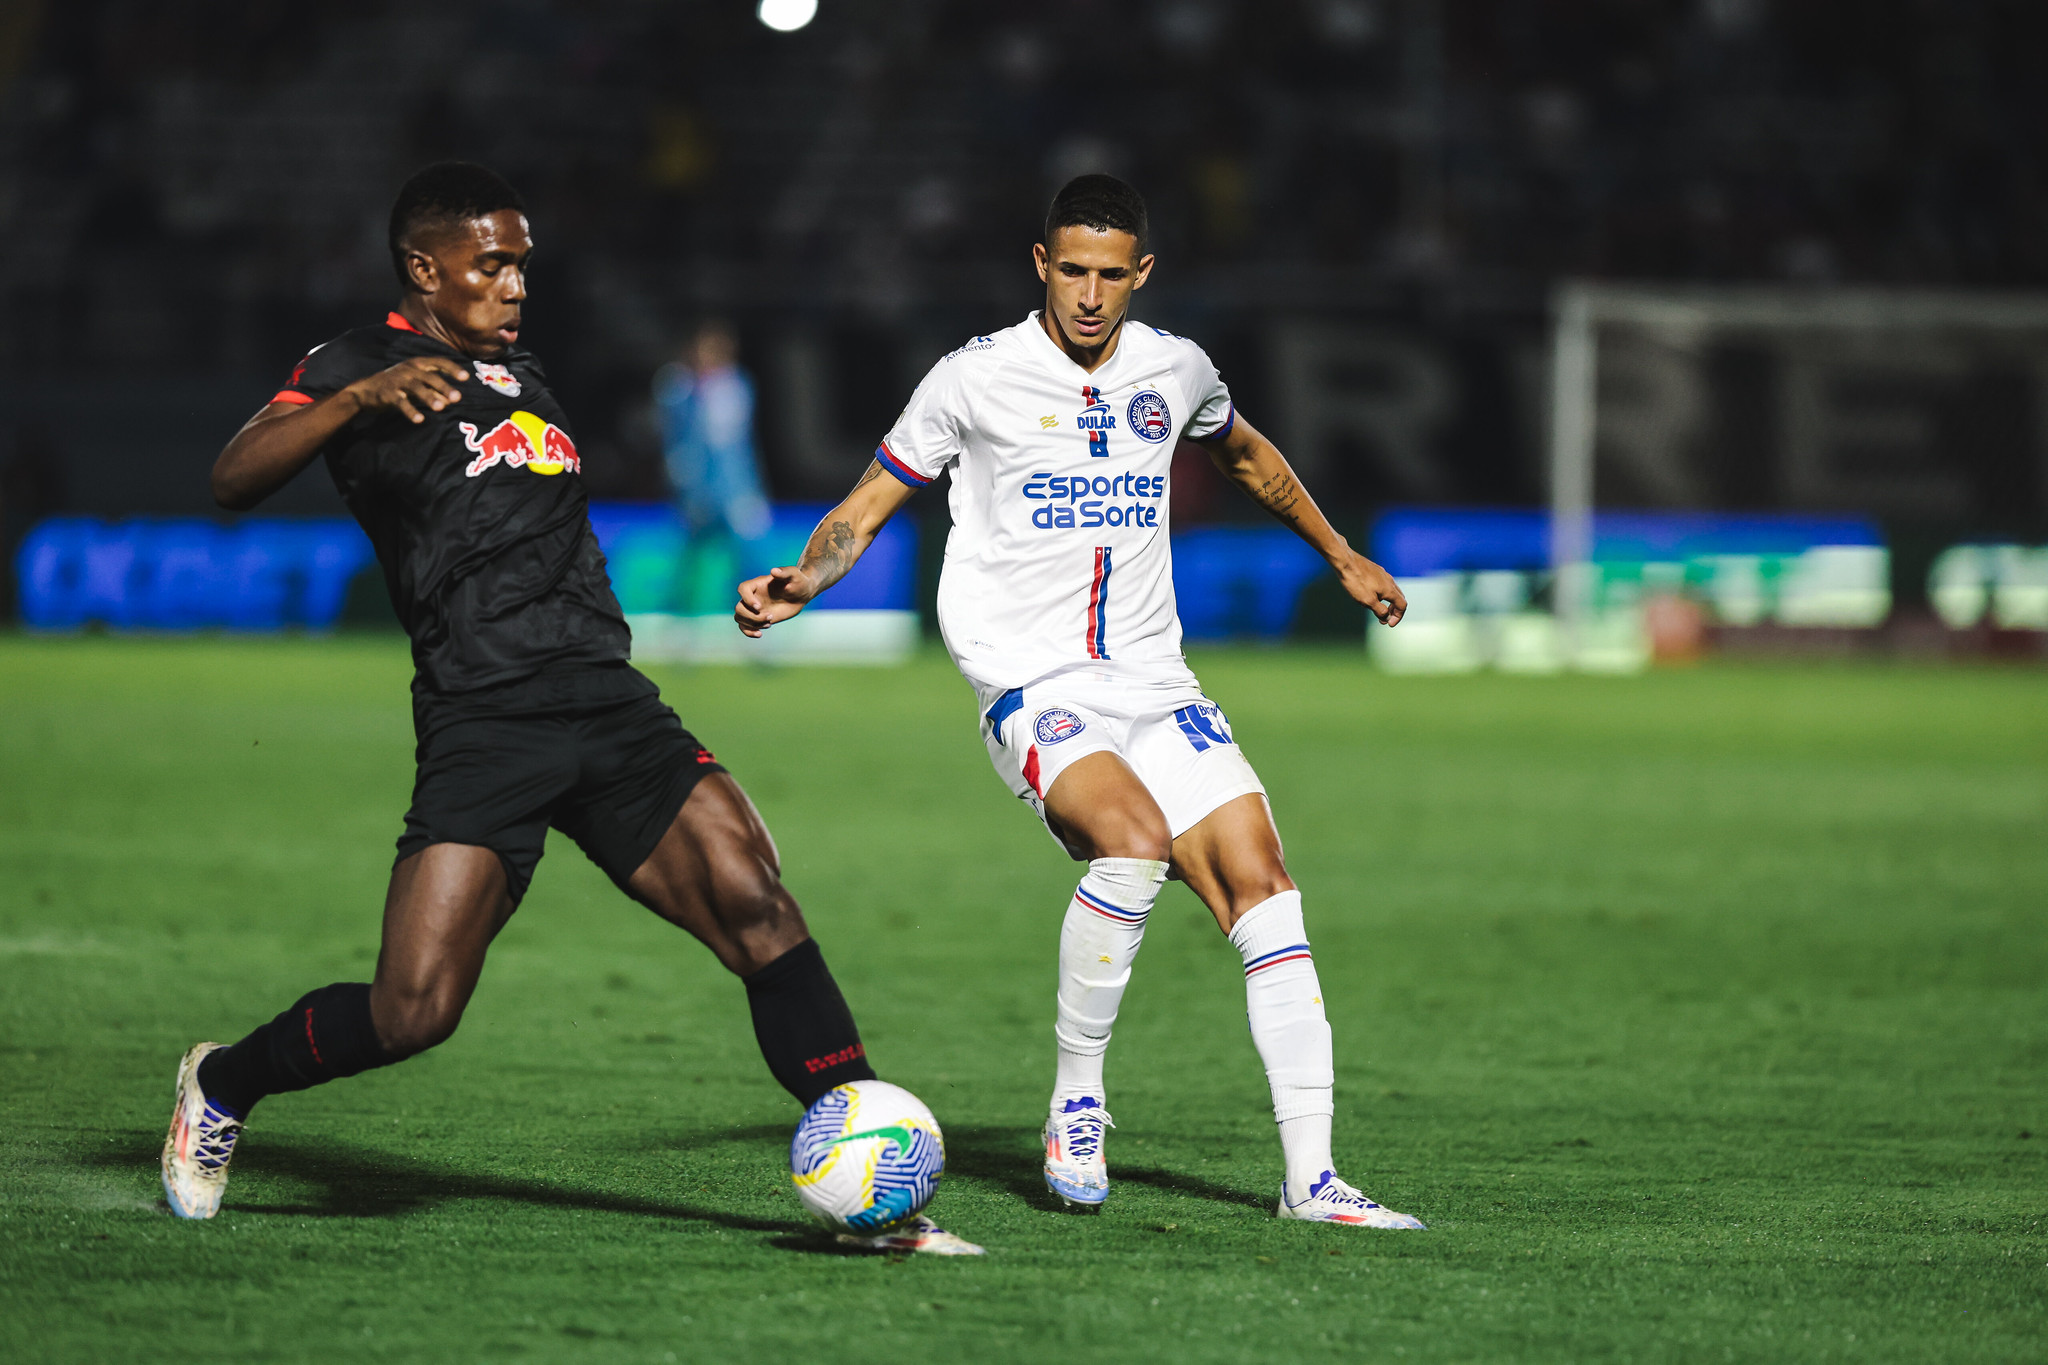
(705, 404)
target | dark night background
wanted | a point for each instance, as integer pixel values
(193, 192)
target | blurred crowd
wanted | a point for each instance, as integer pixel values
(200, 185)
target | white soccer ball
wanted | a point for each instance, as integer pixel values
(867, 1156)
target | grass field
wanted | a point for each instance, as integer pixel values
(1703, 1016)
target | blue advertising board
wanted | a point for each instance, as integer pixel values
(270, 573)
(1413, 542)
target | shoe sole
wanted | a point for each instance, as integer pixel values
(913, 1247)
(178, 1210)
(1076, 1202)
(1414, 1225)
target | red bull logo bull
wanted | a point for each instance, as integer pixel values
(522, 439)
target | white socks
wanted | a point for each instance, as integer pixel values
(1283, 1000)
(1284, 1003)
(1104, 926)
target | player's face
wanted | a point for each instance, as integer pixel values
(474, 280)
(1089, 275)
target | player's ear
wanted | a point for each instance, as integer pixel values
(1144, 270)
(423, 270)
(1040, 259)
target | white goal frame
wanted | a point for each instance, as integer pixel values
(1579, 308)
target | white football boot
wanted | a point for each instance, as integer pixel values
(200, 1145)
(919, 1234)
(1075, 1169)
(1330, 1200)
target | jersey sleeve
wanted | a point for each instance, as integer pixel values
(326, 369)
(1214, 414)
(929, 435)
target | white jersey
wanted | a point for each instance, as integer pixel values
(1058, 556)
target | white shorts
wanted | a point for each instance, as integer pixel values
(1175, 739)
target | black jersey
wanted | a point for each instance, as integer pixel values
(477, 514)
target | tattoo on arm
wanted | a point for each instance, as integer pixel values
(830, 553)
(833, 547)
(1281, 496)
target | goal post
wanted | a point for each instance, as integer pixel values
(1909, 407)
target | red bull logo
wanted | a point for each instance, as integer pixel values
(522, 439)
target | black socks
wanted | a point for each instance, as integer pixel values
(803, 1025)
(325, 1036)
(801, 1020)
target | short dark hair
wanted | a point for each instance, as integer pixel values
(1102, 202)
(445, 194)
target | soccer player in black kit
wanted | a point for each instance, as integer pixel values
(445, 443)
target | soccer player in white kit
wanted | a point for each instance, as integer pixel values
(1057, 605)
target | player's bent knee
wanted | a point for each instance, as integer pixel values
(411, 1025)
(761, 922)
(413, 1035)
(1118, 834)
(1140, 839)
(1241, 894)
(1262, 881)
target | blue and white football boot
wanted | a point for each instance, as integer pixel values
(1074, 1166)
(200, 1144)
(1330, 1200)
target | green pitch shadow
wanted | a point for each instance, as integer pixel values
(1010, 1159)
(340, 1180)
(351, 1182)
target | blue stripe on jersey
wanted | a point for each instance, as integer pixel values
(1098, 606)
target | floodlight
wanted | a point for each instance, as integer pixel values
(787, 16)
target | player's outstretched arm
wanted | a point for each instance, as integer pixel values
(1256, 465)
(282, 439)
(836, 546)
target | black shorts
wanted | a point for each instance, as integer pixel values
(591, 751)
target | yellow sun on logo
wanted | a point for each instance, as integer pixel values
(536, 429)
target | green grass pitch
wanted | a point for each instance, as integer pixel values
(1703, 1016)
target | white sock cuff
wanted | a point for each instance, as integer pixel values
(1303, 1101)
(1140, 876)
(1272, 929)
(1121, 889)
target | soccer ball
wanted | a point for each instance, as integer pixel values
(866, 1157)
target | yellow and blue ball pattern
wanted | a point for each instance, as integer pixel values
(867, 1156)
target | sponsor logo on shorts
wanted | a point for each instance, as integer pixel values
(1058, 724)
(1204, 725)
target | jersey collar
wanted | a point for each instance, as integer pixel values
(1102, 372)
(394, 318)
